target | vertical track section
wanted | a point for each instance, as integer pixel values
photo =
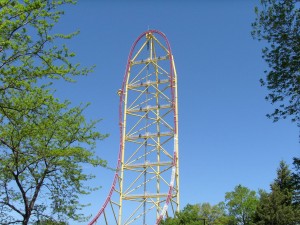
(145, 187)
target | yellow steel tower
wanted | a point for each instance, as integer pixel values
(146, 184)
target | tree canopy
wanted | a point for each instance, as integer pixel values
(189, 216)
(200, 214)
(278, 23)
(44, 142)
(277, 206)
(241, 204)
(296, 181)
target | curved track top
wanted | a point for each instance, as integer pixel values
(145, 187)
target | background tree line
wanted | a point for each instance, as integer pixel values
(278, 206)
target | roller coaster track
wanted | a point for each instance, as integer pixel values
(145, 187)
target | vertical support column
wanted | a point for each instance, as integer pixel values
(123, 148)
(176, 134)
(158, 148)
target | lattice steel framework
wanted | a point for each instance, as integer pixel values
(146, 184)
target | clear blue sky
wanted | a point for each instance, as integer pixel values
(224, 137)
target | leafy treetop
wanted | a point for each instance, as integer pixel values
(278, 23)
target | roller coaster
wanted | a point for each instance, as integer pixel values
(145, 187)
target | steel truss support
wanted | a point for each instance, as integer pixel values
(145, 188)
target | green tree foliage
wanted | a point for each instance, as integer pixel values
(44, 143)
(284, 179)
(41, 155)
(214, 214)
(189, 216)
(28, 46)
(278, 23)
(241, 204)
(50, 222)
(200, 214)
(276, 208)
(296, 181)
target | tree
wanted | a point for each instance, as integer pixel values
(296, 181)
(200, 214)
(276, 208)
(241, 204)
(44, 143)
(41, 155)
(278, 23)
(214, 214)
(273, 210)
(188, 216)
